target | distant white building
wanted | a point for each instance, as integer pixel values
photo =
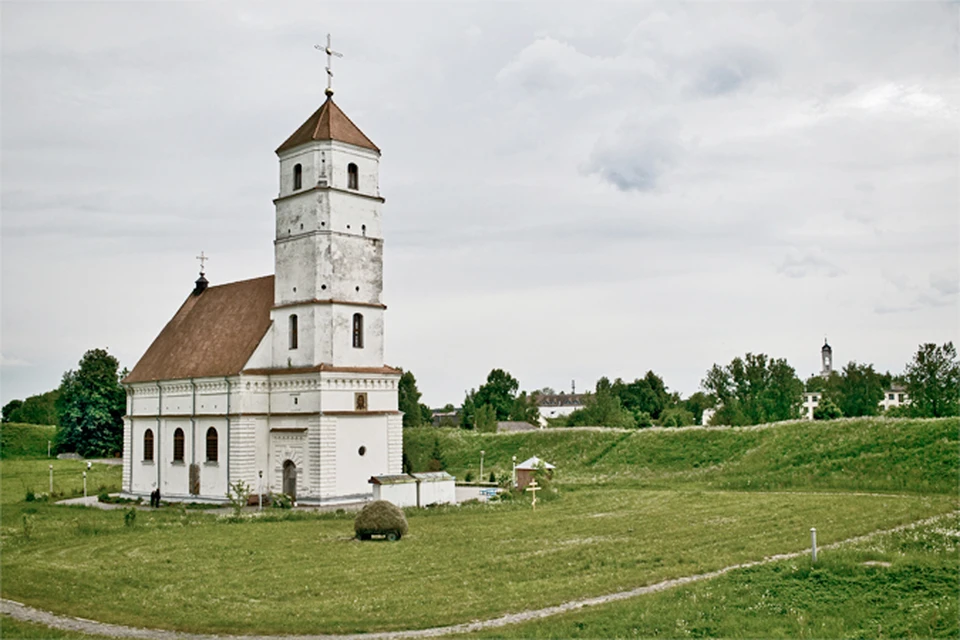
(558, 404)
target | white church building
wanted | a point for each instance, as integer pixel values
(279, 381)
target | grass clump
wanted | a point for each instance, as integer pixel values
(380, 517)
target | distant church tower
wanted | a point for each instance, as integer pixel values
(826, 359)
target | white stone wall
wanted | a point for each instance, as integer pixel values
(355, 470)
(401, 494)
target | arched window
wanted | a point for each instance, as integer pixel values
(293, 331)
(352, 179)
(358, 331)
(148, 445)
(297, 176)
(212, 448)
(178, 445)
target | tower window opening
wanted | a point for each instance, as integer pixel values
(212, 442)
(178, 445)
(363, 229)
(358, 331)
(293, 331)
(353, 180)
(148, 445)
(297, 177)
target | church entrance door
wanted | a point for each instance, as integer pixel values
(290, 479)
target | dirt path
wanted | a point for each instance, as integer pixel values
(29, 614)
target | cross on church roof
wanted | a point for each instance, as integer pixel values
(202, 258)
(330, 53)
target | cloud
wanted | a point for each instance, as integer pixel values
(804, 264)
(946, 282)
(637, 154)
(729, 70)
(8, 361)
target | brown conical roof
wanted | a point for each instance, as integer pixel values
(328, 123)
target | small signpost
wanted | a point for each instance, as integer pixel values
(533, 487)
(84, 484)
(813, 543)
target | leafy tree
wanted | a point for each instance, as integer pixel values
(436, 462)
(11, 409)
(38, 409)
(524, 409)
(933, 381)
(647, 394)
(696, 404)
(827, 410)
(91, 406)
(676, 417)
(499, 391)
(448, 408)
(486, 419)
(468, 414)
(408, 399)
(426, 414)
(857, 391)
(602, 409)
(753, 390)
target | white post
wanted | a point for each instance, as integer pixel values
(481, 465)
(84, 484)
(514, 472)
(51, 482)
(260, 492)
(813, 543)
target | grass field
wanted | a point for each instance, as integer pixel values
(899, 585)
(634, 508)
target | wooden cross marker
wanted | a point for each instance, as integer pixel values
(533, 487)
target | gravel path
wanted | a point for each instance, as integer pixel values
(29, 614)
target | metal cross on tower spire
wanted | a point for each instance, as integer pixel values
(202, 258)
(330, 53)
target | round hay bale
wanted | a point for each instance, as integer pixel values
(380, 518)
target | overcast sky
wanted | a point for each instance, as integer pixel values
(572, 190)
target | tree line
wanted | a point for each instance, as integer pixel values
(752, 389)
(87, 407)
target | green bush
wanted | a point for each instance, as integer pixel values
(380, 517)
(827, 410)
(130, 517)
(30, 497)
(281, 501)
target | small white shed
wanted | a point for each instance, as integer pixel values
(401, 490)
(416, 489)
(436, 487)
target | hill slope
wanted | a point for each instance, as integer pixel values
(25, 440)
(863, 454)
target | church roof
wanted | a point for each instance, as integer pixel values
(328, 123)
(214, 333)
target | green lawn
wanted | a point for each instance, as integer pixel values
(634, 508)
(849, 593)
(308, 576)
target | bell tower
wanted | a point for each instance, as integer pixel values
(328, 247)
(826, 359)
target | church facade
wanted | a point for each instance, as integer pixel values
(279, 381)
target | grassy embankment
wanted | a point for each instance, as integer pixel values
(915, 456)
(620, 523)
(25, 441)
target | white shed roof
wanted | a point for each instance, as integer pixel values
(534, 462)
